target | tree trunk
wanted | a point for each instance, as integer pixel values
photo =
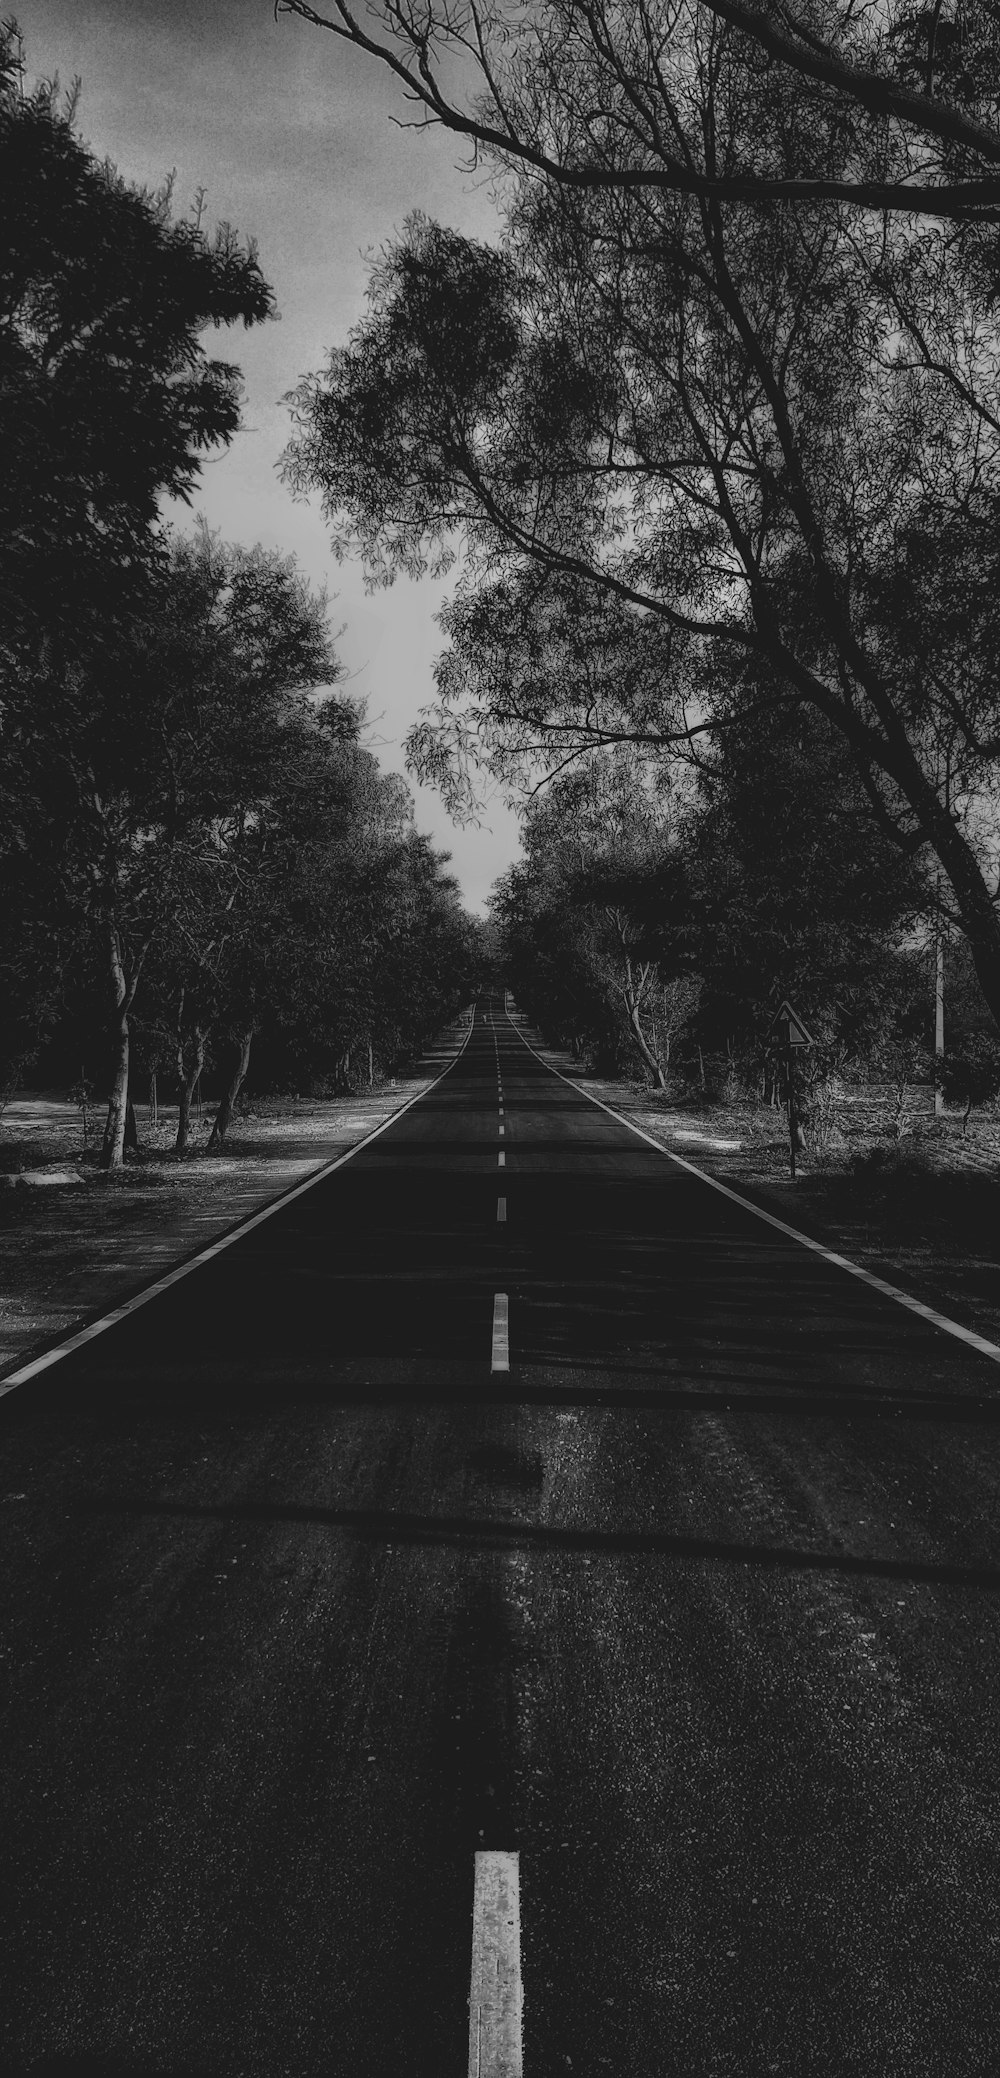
(217, 1137)
(190, 1062)
(653, 1064)
(113, 1149)
(633, 1005)
(124, 982)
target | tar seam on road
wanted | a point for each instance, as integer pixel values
(495, 1996)
(500, 1354)
(829, 1255)
(206, 1255)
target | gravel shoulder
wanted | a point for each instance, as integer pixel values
(72, 1248)
(922, 1210)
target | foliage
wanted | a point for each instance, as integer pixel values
(970, 1072)
(801, 895)
(597, 927)
(915, 90)
(670, 927)
(757, 437)
(107, 401)
(238, 862)
(194, 844)
(108, 398)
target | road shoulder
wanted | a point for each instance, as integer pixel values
(69, 1253)
(927, 1227)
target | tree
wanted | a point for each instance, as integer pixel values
(970, 1073)
(164, 748)
(800, 894)
(598, 924)
(237, 640)
(107, 396)
(107, 402)
(917, 88)
(746, 426)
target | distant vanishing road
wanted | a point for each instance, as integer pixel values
(306, 1600)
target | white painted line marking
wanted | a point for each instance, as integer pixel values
(206, 1255)
(501, 1160)
(495, 1997)
(829, 1255)
(500, 1359)
(501, 1211)
(501, 1129)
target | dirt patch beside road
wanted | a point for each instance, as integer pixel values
(69, 1251)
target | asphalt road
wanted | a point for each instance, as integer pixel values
(695, 1608)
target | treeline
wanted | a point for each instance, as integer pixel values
(655, 930)
(714, 424)
(194, 845)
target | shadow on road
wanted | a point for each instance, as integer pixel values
(387, 1526)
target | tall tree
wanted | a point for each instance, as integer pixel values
(738, 424)
(799, 892)
(164, 748)
(108, 398)
(108, 401)
(917, 87)
(598, 923)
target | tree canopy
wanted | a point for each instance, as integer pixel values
(915, 88)
(195, 847)
(752, 440)
(108, 398)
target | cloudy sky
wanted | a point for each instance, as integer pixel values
(292, 137)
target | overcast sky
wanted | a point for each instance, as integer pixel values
(292, 138)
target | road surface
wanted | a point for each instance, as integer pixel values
(693, 1608)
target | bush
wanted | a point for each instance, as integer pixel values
(970, 1073)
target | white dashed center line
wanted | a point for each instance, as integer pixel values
(501, 1211)
(495, 1998)
(501, 1160)
(500, 1360)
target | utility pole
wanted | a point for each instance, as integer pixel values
(938, 1012)
(939, 965)
(789, 1033)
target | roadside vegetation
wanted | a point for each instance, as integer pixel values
(205, 876)
(709, 434)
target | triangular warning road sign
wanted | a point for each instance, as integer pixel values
(789, 1028)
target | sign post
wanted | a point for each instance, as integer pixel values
(790, 1034)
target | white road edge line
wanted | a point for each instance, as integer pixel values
(205, 1255)
(770, 1219)
(495, 1997)
(500, 1354)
